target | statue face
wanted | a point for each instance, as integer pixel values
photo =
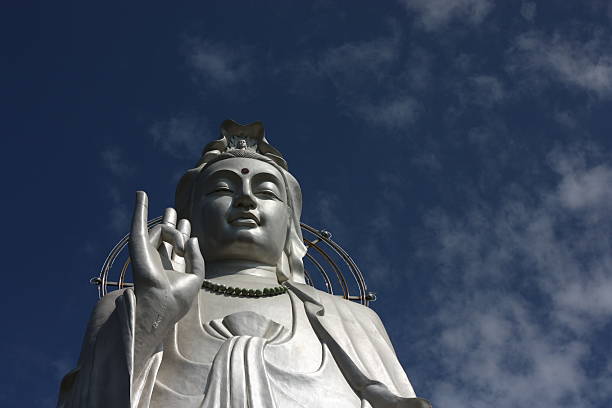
(240, 211)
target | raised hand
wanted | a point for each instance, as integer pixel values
(165, 288)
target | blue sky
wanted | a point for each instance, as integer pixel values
(460, 150)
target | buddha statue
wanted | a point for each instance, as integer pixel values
(220, 314)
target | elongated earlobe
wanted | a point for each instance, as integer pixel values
(283, 270)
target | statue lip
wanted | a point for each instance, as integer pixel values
(243, 218)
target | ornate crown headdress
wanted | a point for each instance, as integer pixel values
(236, 137)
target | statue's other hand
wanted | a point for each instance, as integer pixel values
(164, 292)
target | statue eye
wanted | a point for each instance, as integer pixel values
(267, 194)
(221, 189)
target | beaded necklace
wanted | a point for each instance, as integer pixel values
(232, 291)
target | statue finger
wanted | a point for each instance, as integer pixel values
(155, 236)
(184, 226)
(140, 250)
(194, 259)
(173, 237)
(169, 217)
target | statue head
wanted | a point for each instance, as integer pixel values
(242, 202)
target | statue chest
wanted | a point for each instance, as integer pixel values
(239, 346)
(214, 306)
(280, 320)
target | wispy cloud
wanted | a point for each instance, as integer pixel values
(523, 292)
(487, 89)
(375, 80)
(119, 214)
(372, 245)
(352, 61)
(326, 212)
(529, 10)
(181, 136)
(386, 207)
(583, 188)
(584, 64)
(435, 14)
(394, 114)
(114, 160)
(217, 64)
(482, 91)
(119, 168)
(38, 371)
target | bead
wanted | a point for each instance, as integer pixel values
(229, 290)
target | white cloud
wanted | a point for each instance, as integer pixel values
(434, 14)
(355, 67)
(529, 10)
(587, 189)
(487, 89)
(480, 90)
(374, 80)
(565, 119)
(217, 64)
(182, 136)
(327, 213)
(427, 160)
(523, 290)
(351, 60)
(393, 114)
(578, 63)
(115, 161)
(119, 215)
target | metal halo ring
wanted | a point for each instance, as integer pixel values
(324, 252)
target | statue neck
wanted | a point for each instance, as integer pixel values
(221, 269)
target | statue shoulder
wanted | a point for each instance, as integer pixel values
(364, 313)
(105, 306)
(102, 311)
(337, 302)
(347, 310)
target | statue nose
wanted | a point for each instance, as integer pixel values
(245, 200)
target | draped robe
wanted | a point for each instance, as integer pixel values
(243, 360)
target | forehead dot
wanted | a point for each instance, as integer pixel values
(244, 171)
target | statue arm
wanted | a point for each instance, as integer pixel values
(122, 349)
(361, 347)
(71, 387)
(388, 385)
(103, 373)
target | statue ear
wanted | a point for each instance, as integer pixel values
(283, 270)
